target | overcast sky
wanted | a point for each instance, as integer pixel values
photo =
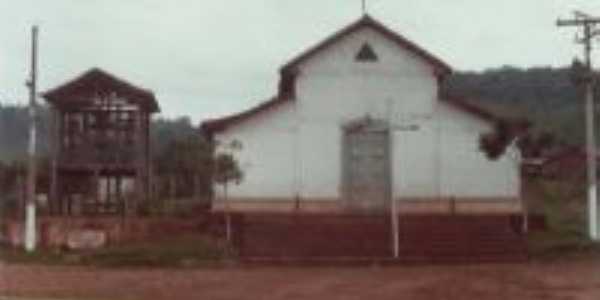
(209, 58)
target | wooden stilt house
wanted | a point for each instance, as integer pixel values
(100, 145)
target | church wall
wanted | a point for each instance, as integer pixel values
(292, 153)
(334, 89)
(465, 170)
(266, 156)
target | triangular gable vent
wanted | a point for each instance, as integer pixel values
(366, 54)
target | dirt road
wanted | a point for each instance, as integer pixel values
(576, 280)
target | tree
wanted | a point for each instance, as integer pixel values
(495, 143)
(226, 170)
(534, 145)
(185, 167)
(577, 73)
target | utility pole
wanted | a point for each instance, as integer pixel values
(395, 223)
(588, 23)
(30, 213)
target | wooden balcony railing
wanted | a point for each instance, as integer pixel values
(107, 155)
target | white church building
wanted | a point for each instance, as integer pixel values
(359, 120)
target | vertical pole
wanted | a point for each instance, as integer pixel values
(20, 190)
(98, 197)
(588, 23)
(30, 213)
(118, 196)
(393, 205)
(134, 202)
(524, 210)
(146, 165)
(54, 141)
(150, 188)
(227, 215)
(298, 169)
(59, 149)
(590, 138)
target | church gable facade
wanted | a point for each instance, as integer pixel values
(359, 120)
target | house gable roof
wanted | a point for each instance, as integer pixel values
(216, 125)
(96, 82)
(289, 71)
(440, 67)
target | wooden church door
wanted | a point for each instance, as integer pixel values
(366, 166)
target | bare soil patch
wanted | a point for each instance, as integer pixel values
(557, 280)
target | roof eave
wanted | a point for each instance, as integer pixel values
(144, 97)
(213, 126)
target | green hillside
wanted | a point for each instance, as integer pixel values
(545, 96)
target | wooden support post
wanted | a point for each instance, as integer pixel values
(172, 187)
(139, 160)
(108, 198)
(69, 204)
(97, 189)
(147, 158)
(59, 146)
(196, 186)
(52, 142)
(118, 195)
(20, 193)
(59, 197)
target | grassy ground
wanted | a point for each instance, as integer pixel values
(182, 251)
(199, 252)
(564, 205)
(551, 247)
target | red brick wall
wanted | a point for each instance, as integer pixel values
(312, 236)
(53, 231)
(422, 237)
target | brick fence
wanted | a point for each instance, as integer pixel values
(301, 236)
(56, 231)
(310, 237)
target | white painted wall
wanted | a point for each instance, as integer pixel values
(267, 156)
(295, 149)
(464, 168)
(442, 158)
